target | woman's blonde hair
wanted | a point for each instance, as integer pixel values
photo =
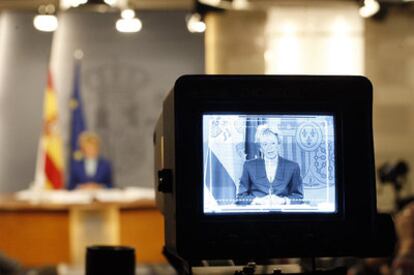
(88, 137)
(264, 130)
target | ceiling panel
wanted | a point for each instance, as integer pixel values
(143, 4)
(24, 4)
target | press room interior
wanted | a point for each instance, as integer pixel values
(130, 54)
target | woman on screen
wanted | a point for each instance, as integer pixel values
(271, 180)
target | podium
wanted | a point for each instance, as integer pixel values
(50, 233)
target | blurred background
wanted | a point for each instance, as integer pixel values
(127, 54)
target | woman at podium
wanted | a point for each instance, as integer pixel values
(88, 169)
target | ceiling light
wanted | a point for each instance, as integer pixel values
(66, 4)
(128, 14)
(240, 4)
(128, 22)
(213, 3)
(195, 23)
(111, 3)
(369, 8)
(46, 21)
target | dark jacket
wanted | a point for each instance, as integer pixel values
(254, 181)
(102, 176)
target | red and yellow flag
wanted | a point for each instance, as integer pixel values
(52, 145)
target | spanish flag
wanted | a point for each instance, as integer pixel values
(51, 145)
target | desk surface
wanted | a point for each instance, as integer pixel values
(9, 202)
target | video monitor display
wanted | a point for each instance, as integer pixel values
(282, 163)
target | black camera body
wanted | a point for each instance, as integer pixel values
(351, 227)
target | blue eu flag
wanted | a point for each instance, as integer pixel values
(78, 120)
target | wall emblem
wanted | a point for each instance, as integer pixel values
(309, 136)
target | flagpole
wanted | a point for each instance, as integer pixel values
(77, 123)
(39, 181)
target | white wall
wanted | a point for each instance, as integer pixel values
(24, 54)
(315, 39)
(124, 80)
(389, 62)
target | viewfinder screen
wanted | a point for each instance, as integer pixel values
(268, 163)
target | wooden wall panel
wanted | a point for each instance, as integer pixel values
(143, 230)
(35, 238)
